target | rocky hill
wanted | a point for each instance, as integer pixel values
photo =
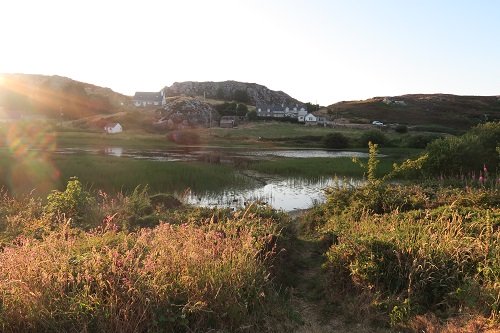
(445, 110)
(56, 96)
(186, 112)
(249, 93)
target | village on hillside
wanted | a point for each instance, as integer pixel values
(159, 100)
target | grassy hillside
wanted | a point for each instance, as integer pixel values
(460, 112)
(40, 96)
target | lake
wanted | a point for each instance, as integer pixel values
(213, 176)
(285, 193)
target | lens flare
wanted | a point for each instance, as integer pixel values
(30, 149)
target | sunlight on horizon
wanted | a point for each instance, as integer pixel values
(314, 51)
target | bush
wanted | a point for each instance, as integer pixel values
(136, 210)
(419, 140)
(336, 141)
(241, 96)
(373, 136)
(252, 115)
(184, 137)
(466, 154)
(401, 129)
(73, 203)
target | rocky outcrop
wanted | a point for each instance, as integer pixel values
(186, 112)
(250, 93)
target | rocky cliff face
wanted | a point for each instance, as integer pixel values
(250, 93)
(186, 112)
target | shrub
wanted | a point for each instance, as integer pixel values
(184, 137)
(373, 136)
(401, 129)
(252, 115)
(136, 210)
(336, 141)
(73, 203)
(420, 140)
(468, 153)
(241, 96)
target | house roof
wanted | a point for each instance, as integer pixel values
(111, 125)
(278, 107)
(148, 96)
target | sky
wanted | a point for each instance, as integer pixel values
(317, 51)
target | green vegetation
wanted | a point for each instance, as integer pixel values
(474, 152)
(373, 136)
(380, 255)
(45, 172)
(399, 252)
(316, 167)
(232, 109)
(336, 141)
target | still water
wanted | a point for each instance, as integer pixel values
(281, 193)
(284, 194)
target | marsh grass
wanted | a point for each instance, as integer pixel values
(314, 167)
(113, 174)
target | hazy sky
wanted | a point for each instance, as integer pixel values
(314, 50)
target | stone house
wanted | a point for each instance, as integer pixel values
(144, 99)
(279, 111)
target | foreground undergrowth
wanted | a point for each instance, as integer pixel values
(81, 263)
(415, 257)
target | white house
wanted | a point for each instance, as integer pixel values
(310, 119)
(113, 128)
(301, 115)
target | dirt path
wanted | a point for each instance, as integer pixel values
(308, 298)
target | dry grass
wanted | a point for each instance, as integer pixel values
(208, 274)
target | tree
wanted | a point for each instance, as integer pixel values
(336, 141)
(241, 110)
(241, 96)
(373, 136)
(252, 115)
(219, 94)
(311, 107)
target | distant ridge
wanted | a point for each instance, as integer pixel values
(421, 109)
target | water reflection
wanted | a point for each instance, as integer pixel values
(209, 155)
(114, 151)
(308, 153)
(285, 194)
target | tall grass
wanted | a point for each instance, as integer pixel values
(212, 273)
(410, 250)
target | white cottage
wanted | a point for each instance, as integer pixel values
(301, 115)
(113, 128)
(310, 119)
